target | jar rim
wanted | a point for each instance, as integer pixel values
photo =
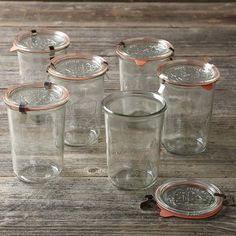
(185, 62)
(17, 46)
(119, 94)
(80, 56)
(144, 40)
(15, 106)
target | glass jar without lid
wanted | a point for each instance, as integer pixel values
(35, 48)
(36, 114)
(83, 76)
(133, 122)
(188, 88)
(138, 60)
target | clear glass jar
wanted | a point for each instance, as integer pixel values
(83, 76)
(138, 61)
(34, 49)
(188, 88)
(36, 114)
(133, 122)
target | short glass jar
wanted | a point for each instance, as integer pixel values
(34, 49)
(83, 75)
(138, 61)
(133, 122)
(36, 114)
(188, 87)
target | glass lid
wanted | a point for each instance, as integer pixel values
(40, 41)
(188, 72)
(144, 49)
(36, 96)
(187, 198)
(77, 66)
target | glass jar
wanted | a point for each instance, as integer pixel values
(34, 49)
(188, 88)
(83, 76)
(138, 60)
(133, 122)
(36, 114)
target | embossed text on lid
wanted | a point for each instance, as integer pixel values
(41, 41)
(144, 49)
(188, 72)
(189, 198)
(77, 66)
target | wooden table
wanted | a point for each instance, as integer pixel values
(82, 201)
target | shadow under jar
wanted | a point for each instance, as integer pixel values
(34, 49)
(188, 88)
(36, 114)
(138, 60)
(83, 75)
(133, 122)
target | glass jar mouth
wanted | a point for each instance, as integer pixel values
(157, 44)
(102, 66)
(171, 191)
(61, 92)
(203, 73)
(56, 46)
(125, 94)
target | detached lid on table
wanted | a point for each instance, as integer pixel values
(142, 50)
(191, 199)
(40, 41)
(36, 97)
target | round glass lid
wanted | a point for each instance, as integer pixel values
(36, 96)
(189, 198)
(77, 66)
(188, 72)
(40, 41)
(144, 49)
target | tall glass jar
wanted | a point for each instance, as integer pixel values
(188, 88)
(36, 114)
(133, 122)
(138, 60)
(83, 76)
(34, 49)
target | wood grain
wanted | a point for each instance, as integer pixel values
(82, 201)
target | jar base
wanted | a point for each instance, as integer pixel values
(80, 137)
(184, 145)
(133, 179)
(38, 173)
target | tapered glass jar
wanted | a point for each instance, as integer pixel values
(188, 88)
(133, 122)
(35, 48)
(36, 114)
(83, 75)
(138, 61)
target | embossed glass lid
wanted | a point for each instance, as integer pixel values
(187, 198)
(144, 49)
(40, 41)
(36, 96)
(188, 72)
(77, 66)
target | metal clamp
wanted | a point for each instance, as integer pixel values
(148, 204)
(228, 199)
(47, 85)
(33, 32)
(22, 107)
(52, 52)
(122, 44)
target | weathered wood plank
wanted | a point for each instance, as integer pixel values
(117, 14)
(83, 207)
